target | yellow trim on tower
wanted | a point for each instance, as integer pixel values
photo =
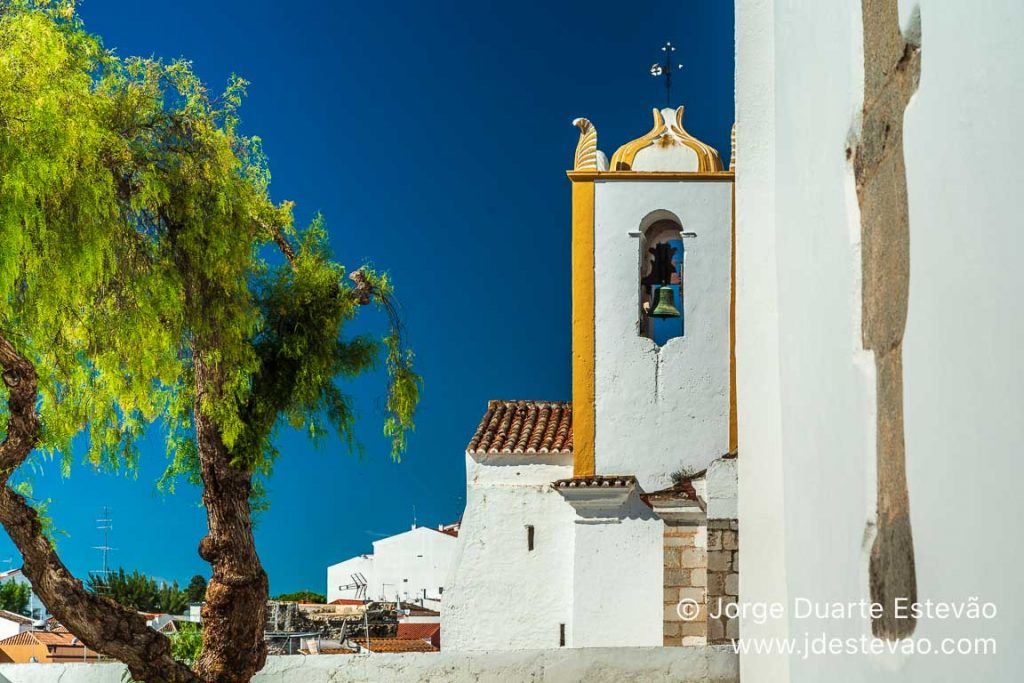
(583, 395)
(576, 176)
(733, 414)
(669, 134)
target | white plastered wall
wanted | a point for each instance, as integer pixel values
(502, 596)
(659, 410)
(341, 574)
(806, 388)
(618, 587)
(414, 564)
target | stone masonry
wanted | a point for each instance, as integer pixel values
(686, 577)
(723, 579)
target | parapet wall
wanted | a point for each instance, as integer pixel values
(715, 664)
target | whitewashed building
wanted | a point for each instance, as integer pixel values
(11, 624)
(588, 522)
(412, 566)
(854, 115)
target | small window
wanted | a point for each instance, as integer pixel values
(561, 635)
(529, 537)
(440, 590)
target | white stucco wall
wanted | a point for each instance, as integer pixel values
(671, 158)
(606, 665)
(403, 565)
(9, 627)
(409, 564)
(618, 579)
(658, 410)
(341, 575)
(806, 388)
(720, 489)
(502, 596)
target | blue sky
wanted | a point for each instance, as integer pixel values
(434, 137)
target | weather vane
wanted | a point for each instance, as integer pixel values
(658, 70)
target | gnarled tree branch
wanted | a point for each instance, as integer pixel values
(99, 622)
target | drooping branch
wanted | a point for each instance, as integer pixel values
(99, 622)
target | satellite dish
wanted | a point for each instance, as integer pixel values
(656, 69)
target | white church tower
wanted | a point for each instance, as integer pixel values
(625, 498)
(652, 388)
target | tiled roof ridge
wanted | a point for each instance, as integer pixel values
(524, 427)
(15, 617)
(597, 481)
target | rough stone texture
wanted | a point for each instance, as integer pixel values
(685, 578)
(596, 665)
(723, 580)
(892, 70)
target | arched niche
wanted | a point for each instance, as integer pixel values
(661, 277)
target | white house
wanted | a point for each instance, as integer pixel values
(412, 566)
(588, 522)
(12, 624)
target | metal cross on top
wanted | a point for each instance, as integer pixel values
(658, 70)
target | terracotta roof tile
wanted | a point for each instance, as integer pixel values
(418, 610)
(13, 616)
(524, 427)
(596, 481)
(39, 638)
(407, 630)
(397, 645)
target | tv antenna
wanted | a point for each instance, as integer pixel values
(358, 585)
(659, 70)
(104, 524)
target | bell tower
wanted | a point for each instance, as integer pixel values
(652, 268)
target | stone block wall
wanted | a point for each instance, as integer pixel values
(723, 578)
(686, 577)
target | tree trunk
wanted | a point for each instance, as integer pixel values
(235, 612)
(99, 622)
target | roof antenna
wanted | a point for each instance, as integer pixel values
(104, 524)
(658, 70)
(413, 516)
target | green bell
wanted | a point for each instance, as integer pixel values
(666, 306)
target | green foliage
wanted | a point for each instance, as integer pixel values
(186, 646)
(14, 597)
(303, 596)
(187, 643)
(139, 592)
(195, 591)
(135, 219)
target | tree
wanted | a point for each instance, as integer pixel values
(303, 596)
(195, 591)
(139, 592)
(14, 597)
(137, 288)
(187, 643)
(135, 590)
